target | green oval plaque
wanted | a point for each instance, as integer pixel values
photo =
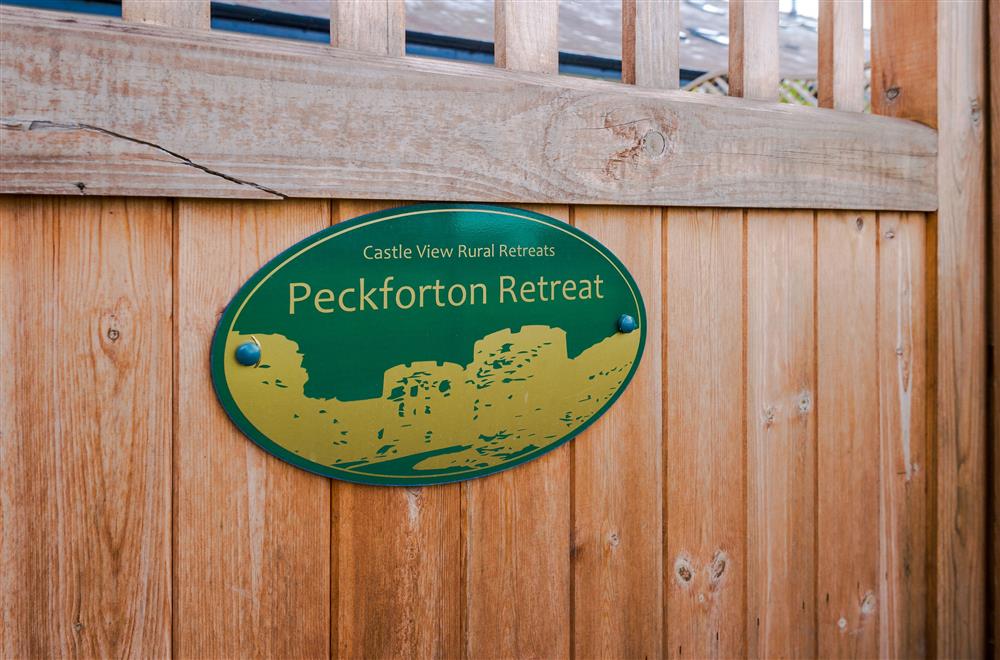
(428, 344)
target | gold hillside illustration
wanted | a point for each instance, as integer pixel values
(520, 394)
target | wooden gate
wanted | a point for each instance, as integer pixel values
(797, 469)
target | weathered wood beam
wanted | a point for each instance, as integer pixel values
(98, 106)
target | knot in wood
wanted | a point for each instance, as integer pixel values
(683, 570)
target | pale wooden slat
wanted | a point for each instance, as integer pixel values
(705, 562)
(903, 356)
(398, 588)
(904, 66)
(517, 553)
(518, 522)
(994, 66)
(847, 557)
(526, 35)
(252, 533)
(650, 42)
(960, 555)
(421, 131)
(781, 440)
(397, 559)
(373, 26)
(29, 446)
(753, 49)
(85, 441)
(184, 14)
(618, 477)
(842, 55)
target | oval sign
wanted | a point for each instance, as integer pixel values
(428, 344)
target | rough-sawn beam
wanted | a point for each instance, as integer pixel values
(95, 106)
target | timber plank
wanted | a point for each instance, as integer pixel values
(961, 326)
(842, 55)
(29, 446)
(526, 35)
(705, 562)
(85, 491)
(429, 129)
(993, 506)
(517, 522)
(618, 478)
(753, 49)
(650, 43)
(781, 428)
(847, 399)
(183, 14)
(518, 552)
(252, 533)
(903, 358)
(374, 26)
(904, 66)
(398, 558)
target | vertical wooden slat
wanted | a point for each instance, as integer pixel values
(753, 49)
(993, 506)
(526, 35)
(781, 427)
(374, 26)
(85, 441)
(706, 508)
(847, 561)
(772, 557)
(185, 14)
(650, 40)
(902, 369)
(904, 66)
(517, 547)
(961, 326)
(518, 522)
(617, 534)
(398, 558)
(842, 55)
(904, 84)
(33, 621)
(251, 560)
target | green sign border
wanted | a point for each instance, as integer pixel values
(245, 292)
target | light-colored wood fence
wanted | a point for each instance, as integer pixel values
(797, 469)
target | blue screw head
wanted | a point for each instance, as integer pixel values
(626, 323)
(248, 353)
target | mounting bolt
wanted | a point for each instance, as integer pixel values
(248, 353)
(626, 323)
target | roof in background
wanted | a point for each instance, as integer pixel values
(593, 27)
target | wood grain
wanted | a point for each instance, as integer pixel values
(252, 533)
(781, 435)
(904, 65)
(961, 326)
(847, 559)
(518, 553)
(398, 559)
(903, 358)
(650, 43)
(526, 35)
(373, 26)
(705, 560)
(411, 128)
(842, 55)
(85, 437)
(993, 506)
(753, 49)
(183, 14)
(618, 477)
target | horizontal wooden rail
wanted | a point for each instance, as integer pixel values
(103, 107)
